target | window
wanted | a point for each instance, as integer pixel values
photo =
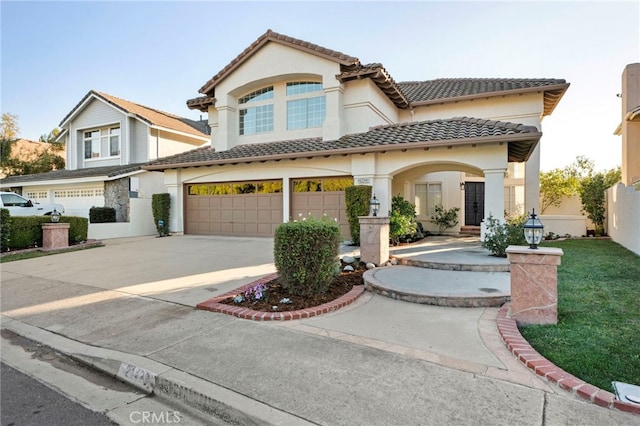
(258, 118)
(305, 112)
(102, 143)
(427, 197)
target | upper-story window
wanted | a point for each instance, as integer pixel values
(102, 143)
(307, 109)
(256, 112)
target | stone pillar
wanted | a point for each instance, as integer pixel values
(534, 284)
(374, 239)
(55, 235)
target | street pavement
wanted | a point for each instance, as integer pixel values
(128, 309)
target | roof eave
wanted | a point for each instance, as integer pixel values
(202, 137)
(532, 137)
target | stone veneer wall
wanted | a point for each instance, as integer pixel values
(116, 195)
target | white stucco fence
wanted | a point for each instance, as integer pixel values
(562, 224)
(623, 218)
(140, 223)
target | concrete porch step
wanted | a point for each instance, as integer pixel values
(440, 287)
(470, 231)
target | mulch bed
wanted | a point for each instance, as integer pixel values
(341, 285)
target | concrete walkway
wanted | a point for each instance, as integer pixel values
(127, 308)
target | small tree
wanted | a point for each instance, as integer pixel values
(558, 184)
(445, 219)
(592, 196)
(402, 221)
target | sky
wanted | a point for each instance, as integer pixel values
(159, 53)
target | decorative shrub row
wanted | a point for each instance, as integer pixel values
(102, 214)
(160, 205)
(26, 231)
(5, 229)
(357, 200)
(306, 255)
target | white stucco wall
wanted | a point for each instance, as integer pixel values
(366, 106)
(140, 223)
(623, 216)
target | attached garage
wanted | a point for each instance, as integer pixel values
(255, 208)
(250, 209)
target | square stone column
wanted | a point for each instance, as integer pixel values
(55, 235)
(374, 239)
(534, 284)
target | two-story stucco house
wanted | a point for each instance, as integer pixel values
(293, 124)
(107, 140)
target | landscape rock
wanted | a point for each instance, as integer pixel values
(370, 265)
(348, 259)
(348, 268)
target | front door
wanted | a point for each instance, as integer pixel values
(473, 203)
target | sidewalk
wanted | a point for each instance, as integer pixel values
(376, 362)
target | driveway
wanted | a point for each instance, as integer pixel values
(184, 269)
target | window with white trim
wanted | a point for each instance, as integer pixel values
(256, 112)
(427, 197)
(102, 143)
(307, 110)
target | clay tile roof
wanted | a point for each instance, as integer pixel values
(98, 172)
(424, 134)
(271, 36)
(448, 89)
(379, 75)
(149, 115)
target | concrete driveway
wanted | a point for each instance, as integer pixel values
(184, 269)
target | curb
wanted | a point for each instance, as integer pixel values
(201, 397)
(526, 354)
(213, 305)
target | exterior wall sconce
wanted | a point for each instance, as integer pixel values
(533, 230)
(374, 204)
(461, 186)
(55, 216)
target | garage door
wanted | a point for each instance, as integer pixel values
(321, 196)
(252, 209)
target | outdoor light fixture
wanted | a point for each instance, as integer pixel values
(533, 230)
(375, 206)
(55, 216)
(461, 186)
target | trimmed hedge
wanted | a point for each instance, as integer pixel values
(102, 214)
(5, 229)
(26, 231)
(357, 199)
(306, 255)
(160, 206)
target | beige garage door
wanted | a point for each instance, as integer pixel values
(321, 196)
(251, 209)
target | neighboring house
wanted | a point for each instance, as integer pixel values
(623, 199)
(107, 139)
(293, 124)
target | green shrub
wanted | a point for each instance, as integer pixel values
(306, 255)
(102, 214)
(402, 222)
(78, 228)
(26, 231)
(5, 229)
(357, 199)
(445, 219)
(161, 205)
(501, 235)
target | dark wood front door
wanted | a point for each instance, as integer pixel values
(473, 203)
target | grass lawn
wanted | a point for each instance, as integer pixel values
(597, 337)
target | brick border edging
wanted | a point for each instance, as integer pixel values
(213, 305)
(523, 351)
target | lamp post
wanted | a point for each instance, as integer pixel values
(55, 216)
(374, 204)
(533, 230)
